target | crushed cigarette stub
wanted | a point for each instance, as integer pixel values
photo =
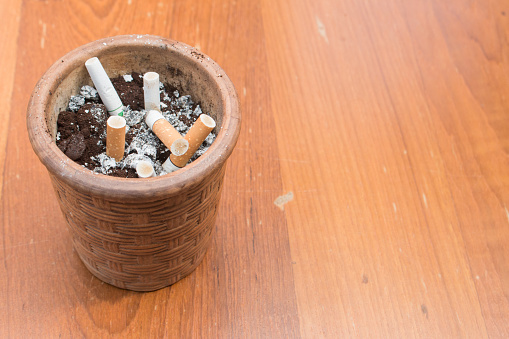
(179, 147)
(169, 167)
(151, 91)
(196, 135)
(144, 169)
(115, 137)
(104, 86)
(164, 130)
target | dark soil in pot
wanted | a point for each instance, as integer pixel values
(81, 132)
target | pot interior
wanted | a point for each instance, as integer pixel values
(178, 69)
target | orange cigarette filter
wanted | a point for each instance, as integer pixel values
(195, 136)
(115, 137)
(162, 128)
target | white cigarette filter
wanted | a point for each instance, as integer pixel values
(196, 135)
(169, 167)
(145, 169)
(166, 132)
(115, 137)
(151, 91)
(179, 147)
(104, 87)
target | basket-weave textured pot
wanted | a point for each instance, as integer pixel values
(138, 234)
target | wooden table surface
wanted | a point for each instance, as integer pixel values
(367, 195)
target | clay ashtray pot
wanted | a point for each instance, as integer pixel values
(138, 234)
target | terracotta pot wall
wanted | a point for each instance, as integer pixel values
(139, 234)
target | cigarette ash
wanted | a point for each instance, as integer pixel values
(76, 102)
(88, 92)
(82, 128)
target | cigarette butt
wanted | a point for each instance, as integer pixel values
(115, 137)
(169, 167)
(145, 169)
(151, 91)
(179, 147)
(164, 130)
(104, 87)
(196, 135)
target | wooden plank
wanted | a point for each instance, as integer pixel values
(243, 288)
(474, 121)
(10, 12)
(366, 154)
(367, 196)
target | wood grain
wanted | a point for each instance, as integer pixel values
(10, 12)
(387, 123)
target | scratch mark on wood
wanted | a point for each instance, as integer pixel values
(321, 30)
(365, 279)
(283, 199)
(43, 37)
(424, 310)
(252, 229)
